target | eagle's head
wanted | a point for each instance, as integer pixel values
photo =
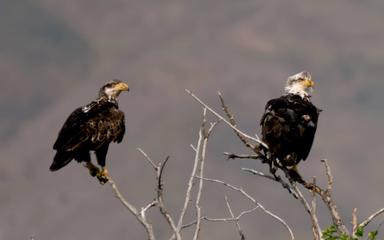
(300, 84)
(112, 89)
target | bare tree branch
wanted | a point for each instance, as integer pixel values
(329, 175)
(160, 200)
(315, 222)
(354, 221)
(249, 197)
(316, 226)
(273, 178)
(193, 173)
(241, 233)
(146, 208)
(240, 156)
(140, 216)
(223, 119)
(370, 218)
(206, 135)
(147, 158)
(201, 174)
(326, 196)
(232, 120)
(205, 218)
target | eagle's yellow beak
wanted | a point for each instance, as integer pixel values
(309, 83)
(122, 86)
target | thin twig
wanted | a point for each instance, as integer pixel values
(316, 226)
(258, 173)
(205, 218)
(232, 120)
(326, 196)
(160, 200)
(242, 236)
(315, 222)
(140, 216)
(206, 135)
(249, 197)
(147, 158)
(329, 175)
(240, 156)
(370, 218)
(354, 221)
(191, 179)
(146, 208)
(223, 119)
(200, 174)
(273, 178)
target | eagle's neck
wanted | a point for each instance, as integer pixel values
(105, 98)
(297, 89)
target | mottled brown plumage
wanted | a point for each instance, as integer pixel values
(91, 128)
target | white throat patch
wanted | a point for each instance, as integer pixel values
(298, 89)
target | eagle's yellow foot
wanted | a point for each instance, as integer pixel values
(103, 176)
(93, 170)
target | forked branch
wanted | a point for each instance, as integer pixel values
(139, 215)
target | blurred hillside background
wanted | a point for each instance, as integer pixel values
(55, 55)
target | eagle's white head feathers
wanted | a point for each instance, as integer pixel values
(300, 84)
(112, 89)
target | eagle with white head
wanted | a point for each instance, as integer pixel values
(289, 123)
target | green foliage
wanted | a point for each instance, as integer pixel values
(373, 235)
(359, 231)
(331, 233)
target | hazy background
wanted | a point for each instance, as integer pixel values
(55, 55)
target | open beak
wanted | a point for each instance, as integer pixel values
(122, 86)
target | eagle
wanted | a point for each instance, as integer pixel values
(289, 124)
(92, 128)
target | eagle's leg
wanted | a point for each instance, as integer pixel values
(272, 162)
(101, 154)
(294, 175)
(93, 170)
(84, 156)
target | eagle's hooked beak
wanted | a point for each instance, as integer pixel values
(309, 83)
(122, 86)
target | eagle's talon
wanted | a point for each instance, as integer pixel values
(103, 176)
(102, 179)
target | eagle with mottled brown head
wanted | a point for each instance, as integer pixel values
(289, 124)
(92, 128)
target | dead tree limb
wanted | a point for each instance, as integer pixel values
(160, 199)
(139, 215)
(241, 233)
(223, 119)
(206, 134)
(370, 218)
(193, 173)
(253, 200)
(210, 219)
(314, 220)
(240, 156)
(326, 196)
